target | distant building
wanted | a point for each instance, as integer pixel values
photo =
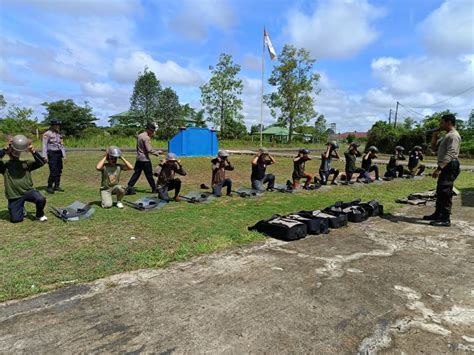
(278, 134)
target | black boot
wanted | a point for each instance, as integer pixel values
(441, 223)
(432, 217)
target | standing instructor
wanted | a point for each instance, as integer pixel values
(143, 162)
(447, 171)
(53, 153)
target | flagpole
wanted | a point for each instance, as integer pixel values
(261, 98)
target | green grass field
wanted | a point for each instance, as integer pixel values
(36, 257)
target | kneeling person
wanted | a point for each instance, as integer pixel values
(165, 172)
(393, 166)
(18, 182)
(259, 167)
(219, 165)
(111, 176)
(299, 172)
(367, 164)
(350, 156)
(414, 165)
(325, 170)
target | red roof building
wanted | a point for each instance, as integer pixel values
(345, 134)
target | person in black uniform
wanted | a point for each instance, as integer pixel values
(394, 168)
(447, 171)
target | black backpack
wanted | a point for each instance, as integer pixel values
(355, 213)
(334, 221)
(314, 225)
(281, 228)
(373, 208)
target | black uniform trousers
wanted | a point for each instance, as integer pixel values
(217, 188)
(147, 168)
(444, 190)
(392, 173)
(55, 163)
(174, 184)
(16, 205)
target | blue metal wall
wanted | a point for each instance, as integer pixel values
(194, 142)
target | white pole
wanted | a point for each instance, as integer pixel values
(261, 99)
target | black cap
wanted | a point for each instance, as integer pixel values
(151, 126)
(55, 122)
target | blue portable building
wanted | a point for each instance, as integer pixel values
(194, 142)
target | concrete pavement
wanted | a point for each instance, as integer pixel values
(388, 284)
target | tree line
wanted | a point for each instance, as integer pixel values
(291, 103)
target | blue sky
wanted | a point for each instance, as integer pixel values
(369, 53)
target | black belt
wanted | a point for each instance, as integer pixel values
(54, 151)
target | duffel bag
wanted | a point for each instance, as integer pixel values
(281, 228)
(334, 220)
(373, 208)
(355, 213)
(314, 225)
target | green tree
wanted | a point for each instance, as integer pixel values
(292, 104)
(3, 102)
(470, 121)
(189, 113)
(19, 120)
(255, 129)
(408, 123)
(167, 115)
(220, 96)
(236, 129)
(145, 100)
(74, 118)
(320, 126)
(350, 138)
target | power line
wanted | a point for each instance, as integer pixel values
(449, 98)
(410, 110)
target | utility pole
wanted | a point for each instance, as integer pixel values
(390, 117)
(396, 113)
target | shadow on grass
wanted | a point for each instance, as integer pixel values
(467, 197)
(5, 215)
(395, 219)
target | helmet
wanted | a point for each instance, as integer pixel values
(399, 148)
(171, 157)
(417, 147)
(334, 144)
(114, 151)
(304, 151)
(373, 149)
(263, 150)
(20, 143)
(223, 154)
(355, 145)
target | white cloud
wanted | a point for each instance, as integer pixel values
(411, 76)
(196, 16)
(97, 89)
(449, 30)
(126, 70)
(84, 7)
(336, 29)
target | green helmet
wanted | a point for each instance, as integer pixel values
(20, 143)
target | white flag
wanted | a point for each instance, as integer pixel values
(269, 45)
